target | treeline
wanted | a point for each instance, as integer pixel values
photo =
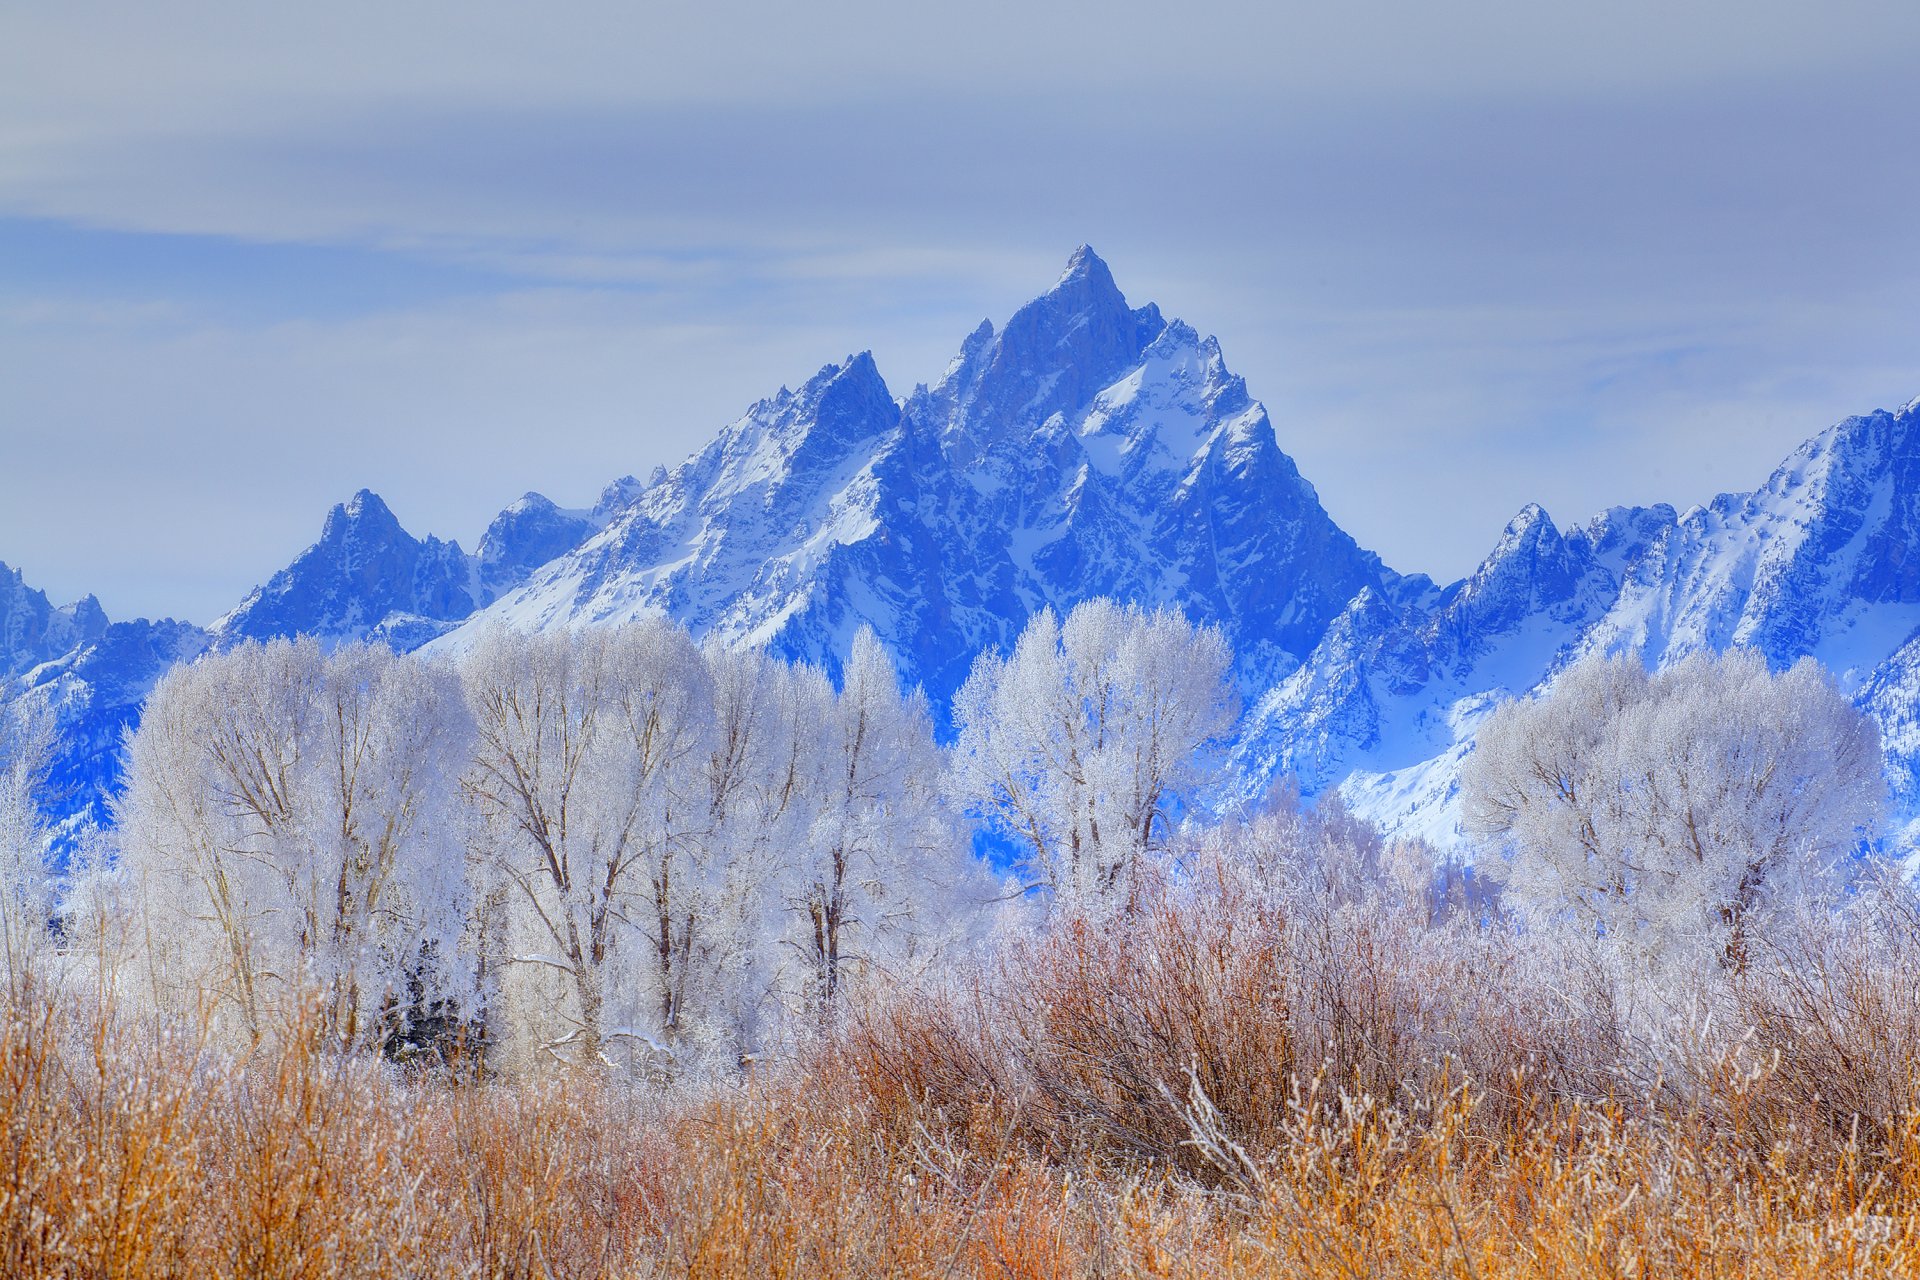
(616, 846)
(610, 845)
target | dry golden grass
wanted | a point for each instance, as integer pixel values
(1202, 1090)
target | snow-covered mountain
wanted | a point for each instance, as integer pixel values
(33, 631)
(366, 577)
(369, 577)
(1821, 560)
(1085, 448)
(1088, 447)
(94, 694)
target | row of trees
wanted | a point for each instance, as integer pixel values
(615, 843)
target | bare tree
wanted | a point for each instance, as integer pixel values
(26, 881)
(583, 742)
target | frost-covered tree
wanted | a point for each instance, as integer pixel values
(286, 824)
(26, 888)
(755, 783)
(878, 866)
(587, 783)
(674, 825)
(1079, 744)
(1673, 807)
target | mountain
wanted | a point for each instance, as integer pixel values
(534, 530)
(366, 578)
(33, 631)
(1822, 560)
(94, 694)
(1089, 447)
(1085, 448)
(89, 675)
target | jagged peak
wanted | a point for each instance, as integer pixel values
(16, 583)
(1628, 526)
(1528, 537)
(1051, 356)
(87, 613)
(622, 493)
(857, 369)
(851, 394)
(861, 365)
(1085, 264)
(1531, 521)
(1086, 287)
(364, 512)
(1178, 333)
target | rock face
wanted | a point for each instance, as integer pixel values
(1088, 447)
(365, 570)
(369, 578)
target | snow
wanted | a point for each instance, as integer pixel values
(1087, 448)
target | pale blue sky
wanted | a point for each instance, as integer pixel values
(1469, 255)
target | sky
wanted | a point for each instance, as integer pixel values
(256, 257)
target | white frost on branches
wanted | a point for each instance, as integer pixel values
(1079, 746)
(26, 890)
(285, 823)
(1670, 808)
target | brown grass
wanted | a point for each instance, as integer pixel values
(1210, 1087)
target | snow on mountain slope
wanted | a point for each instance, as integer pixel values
(33, 631)
(534, 530)
(367, 577)
(1086, 448)
(1822, 560)
(94, 694)
(758, 509)
(88, 675)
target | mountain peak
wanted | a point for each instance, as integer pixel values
(33, 631)
(1051, 356)
(364, 567)
(1528, 519)
(1085, 288)
(1085, 264)
(365, 512)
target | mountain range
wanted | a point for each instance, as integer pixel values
(1087, 448)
